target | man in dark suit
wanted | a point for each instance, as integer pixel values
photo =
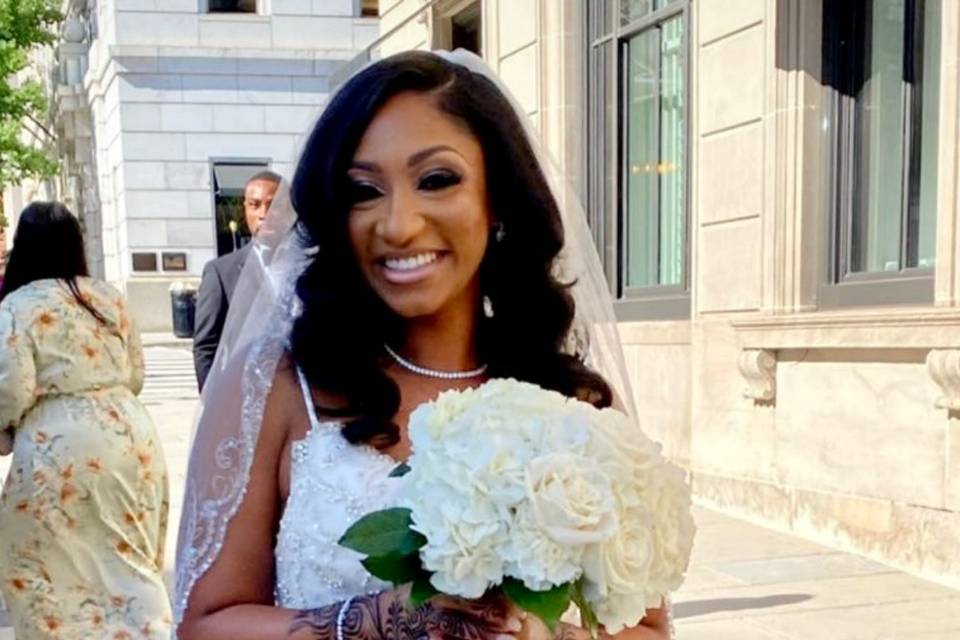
(220, 276)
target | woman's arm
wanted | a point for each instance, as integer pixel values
(135, 354)
(234, 599)
(18, 376)
(388, 615)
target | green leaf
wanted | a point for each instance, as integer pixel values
(549, 606)
(395, 568)
(382, 533)
(25, 25)
(402, 469)
(421, 591)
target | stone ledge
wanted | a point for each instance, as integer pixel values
(903, 328)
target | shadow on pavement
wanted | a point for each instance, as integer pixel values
(703, 607)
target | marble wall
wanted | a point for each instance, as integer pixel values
(838, 425)
(171, 90)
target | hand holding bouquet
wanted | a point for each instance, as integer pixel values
(549, 499)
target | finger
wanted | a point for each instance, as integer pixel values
(496, 617)
(513, 624)
(573, 632)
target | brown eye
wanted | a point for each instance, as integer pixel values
(437, 180)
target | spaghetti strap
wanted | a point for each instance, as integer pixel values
(308, 399)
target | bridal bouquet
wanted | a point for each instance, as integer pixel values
(546, 498)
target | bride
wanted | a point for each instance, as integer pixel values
(424, 256)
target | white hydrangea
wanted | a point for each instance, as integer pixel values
(511, 480)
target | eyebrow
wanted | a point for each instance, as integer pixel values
(416, 158)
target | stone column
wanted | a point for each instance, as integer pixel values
(947, 279)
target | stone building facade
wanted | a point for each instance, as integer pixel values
(781, 233)
(162, 108)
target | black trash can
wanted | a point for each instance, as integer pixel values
(183, 303)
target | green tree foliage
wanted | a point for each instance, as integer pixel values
(24, 25)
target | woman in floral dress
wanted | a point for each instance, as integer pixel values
(83, 511)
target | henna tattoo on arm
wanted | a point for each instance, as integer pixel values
(387, 617)
(362, 619)
(315, 624)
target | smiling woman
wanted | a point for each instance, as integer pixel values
(430, 241)
(434, 163)
(419, 223)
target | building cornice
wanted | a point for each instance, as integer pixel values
(894, 328)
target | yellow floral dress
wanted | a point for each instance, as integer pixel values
(83, 511)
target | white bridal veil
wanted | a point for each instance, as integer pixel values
(258, 326)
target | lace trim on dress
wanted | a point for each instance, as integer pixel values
(207, 526)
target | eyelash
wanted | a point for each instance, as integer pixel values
(433, 181)
(439, 180)
(363, 192)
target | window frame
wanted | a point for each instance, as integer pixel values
(262, 163)
(261, 10)
(841, 287)
(444, 13)
(654, 302)
(359, 10)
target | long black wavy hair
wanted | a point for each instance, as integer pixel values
(338, 340)
(48, 243)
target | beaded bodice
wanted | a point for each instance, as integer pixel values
(332, 484)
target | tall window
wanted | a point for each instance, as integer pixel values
(232, 6)
(881, 64)
(457, 25)
(637, 137)
(228, 180)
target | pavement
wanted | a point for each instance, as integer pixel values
(748, 582)
(745, 582)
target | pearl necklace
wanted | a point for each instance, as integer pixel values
(434, 373)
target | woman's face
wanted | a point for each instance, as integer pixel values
(419, 225)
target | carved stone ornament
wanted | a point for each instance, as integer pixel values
(73, 30)
(943, 365)
(759, 368)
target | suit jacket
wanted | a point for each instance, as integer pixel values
(213, 300)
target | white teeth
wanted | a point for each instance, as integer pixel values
(413, 262)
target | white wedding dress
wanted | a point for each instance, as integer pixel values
(332, 484)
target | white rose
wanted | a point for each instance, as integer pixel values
(616, 438)
(622, 563)
(621, 567)
(648, 557)
(624, 610)
(666, 494)
(572, 501)
(509, 479)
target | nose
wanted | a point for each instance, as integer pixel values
(402, 220)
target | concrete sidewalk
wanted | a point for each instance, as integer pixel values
(160, 339)
(749, 583)
(745, 582)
